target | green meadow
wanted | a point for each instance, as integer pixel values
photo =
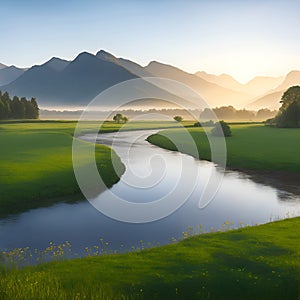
(252, 146)
(36, 165)
(36, 161)
(260, 262)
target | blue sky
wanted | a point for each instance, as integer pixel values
(242, 38)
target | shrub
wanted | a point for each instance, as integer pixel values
(221, 128)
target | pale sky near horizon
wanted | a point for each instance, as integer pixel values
(240, 38)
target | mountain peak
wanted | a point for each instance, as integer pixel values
(2, 66)
(293, 73)
(154, 62)
(84, 55)
(56, 63)
(107, 56)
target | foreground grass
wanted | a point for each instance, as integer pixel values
(260, 262)
(250, 147)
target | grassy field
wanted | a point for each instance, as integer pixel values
(36, 161)
(261, 262)
(251, 146)
(36, 165)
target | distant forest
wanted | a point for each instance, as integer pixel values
(227, 113)
(230, 113)
(16, 108)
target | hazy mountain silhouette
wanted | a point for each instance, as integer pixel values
(271, 101)
(262, 84)
(257, 86)
(59, 82)
(272, 98)
(9, 74)
(292, 78)
(223, 80)
(2, 66)
(214, 94)
(131, 66)
(56, 64)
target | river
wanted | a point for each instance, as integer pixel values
(239, 200)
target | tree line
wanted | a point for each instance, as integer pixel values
(230, 113)
(16, 108)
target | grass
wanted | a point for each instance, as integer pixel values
(36, 161)
(36, 165)
(261, 262)
(252, 146)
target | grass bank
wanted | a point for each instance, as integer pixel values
(36, 161)
(36, 165)
(261, 262)
(251, 146)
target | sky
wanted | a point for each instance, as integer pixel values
(237, 37)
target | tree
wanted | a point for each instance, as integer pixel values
(265, 113)
(36, 113)
(17, 108)
(119, 118)
(289, 112)
(6, 102)
(209, 123)
(2, 110)
(221, 128)
(178, 119)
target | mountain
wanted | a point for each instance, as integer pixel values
(107, 57)
(223, 80)
(272, 98)
(131, 66)
(257, 86)
(214, 94)
(292, 78)
(56, 64)
(2, 66)
(271, 101)
(261, 84)
(59, 82)
(75, 83)
(9, 74)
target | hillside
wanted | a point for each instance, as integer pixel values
(255, 87)
(9, 74)
(272, 98)
(214, 94)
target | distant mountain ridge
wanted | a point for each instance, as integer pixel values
(9, 74)
(59, 82)
(272, 98)
(66, 83)
(256, 86)
(62, 83)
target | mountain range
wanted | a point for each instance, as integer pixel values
(61, 83)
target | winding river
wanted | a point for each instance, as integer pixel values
(239, 199)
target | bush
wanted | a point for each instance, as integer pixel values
(204, 124)
(221, 128)
(178, 118)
